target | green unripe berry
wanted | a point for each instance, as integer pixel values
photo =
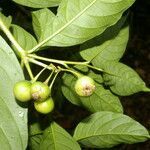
(44, 107)
(22, 91)
(85, 86)
(39, 91)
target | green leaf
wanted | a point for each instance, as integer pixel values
(100, 100)
(6, 20)
(34, 141)
(107, 47)
(56, 138)
(38, 3)
(107, 129)
(122, 79)
(13, 117)
(97, 77)
(24, 39)
(42, 23)
(35, 135)
(35, 129)
(78, 21)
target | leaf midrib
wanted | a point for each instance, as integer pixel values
(84, 138)
(63, 27)
(53, 135)
(78, 15)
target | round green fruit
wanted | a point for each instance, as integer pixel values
(85, 86)
(44, 107)
(40, 91)
(22, 91)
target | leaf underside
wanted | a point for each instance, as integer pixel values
(122, 79)
(13, 117)
(78, 21)
(107, 129)
(107, 47)
(56, 138)
(38, 3)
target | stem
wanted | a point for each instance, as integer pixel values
(53, 80)
(29, 70)
(37, 76)
(12, 39)
(40, 64)
(62, 62)
(47, 80)
(48, 59)
(22, 64)
(71, 71)
(76, 63)
(96, 68)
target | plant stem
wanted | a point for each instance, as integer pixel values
(37, 76)
(48, 59)
(40, 64)
(76, 63)
(29, 70)
(22, 64)
(12, 39)
(95, 68)
(66, 63)
(71, 71)
(48, 79)
(54, 79)
(62, 62)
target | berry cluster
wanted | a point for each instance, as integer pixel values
(39, 92)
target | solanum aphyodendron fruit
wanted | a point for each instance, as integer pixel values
(39, 91)
(44, 107)
(84, 86)
(22, 91)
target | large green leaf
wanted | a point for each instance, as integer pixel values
(13, 117)
(24, 39)
(42, 23)
(78, 21)
(38, 3)
(35, 129)
(56, 138)
(34, 141)
(107, 129)
(107, 47)
(35, 135)
(122, 79)
(100, 100)
(6, 20)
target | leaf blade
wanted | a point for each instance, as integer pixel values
(122, 79)
(24, 39)
(14, 117)
(84, 20)
(57, 138)
(107, 129)
(107, 47)
(38, 3)
(42, 23)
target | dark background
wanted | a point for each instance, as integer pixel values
(137, 56)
